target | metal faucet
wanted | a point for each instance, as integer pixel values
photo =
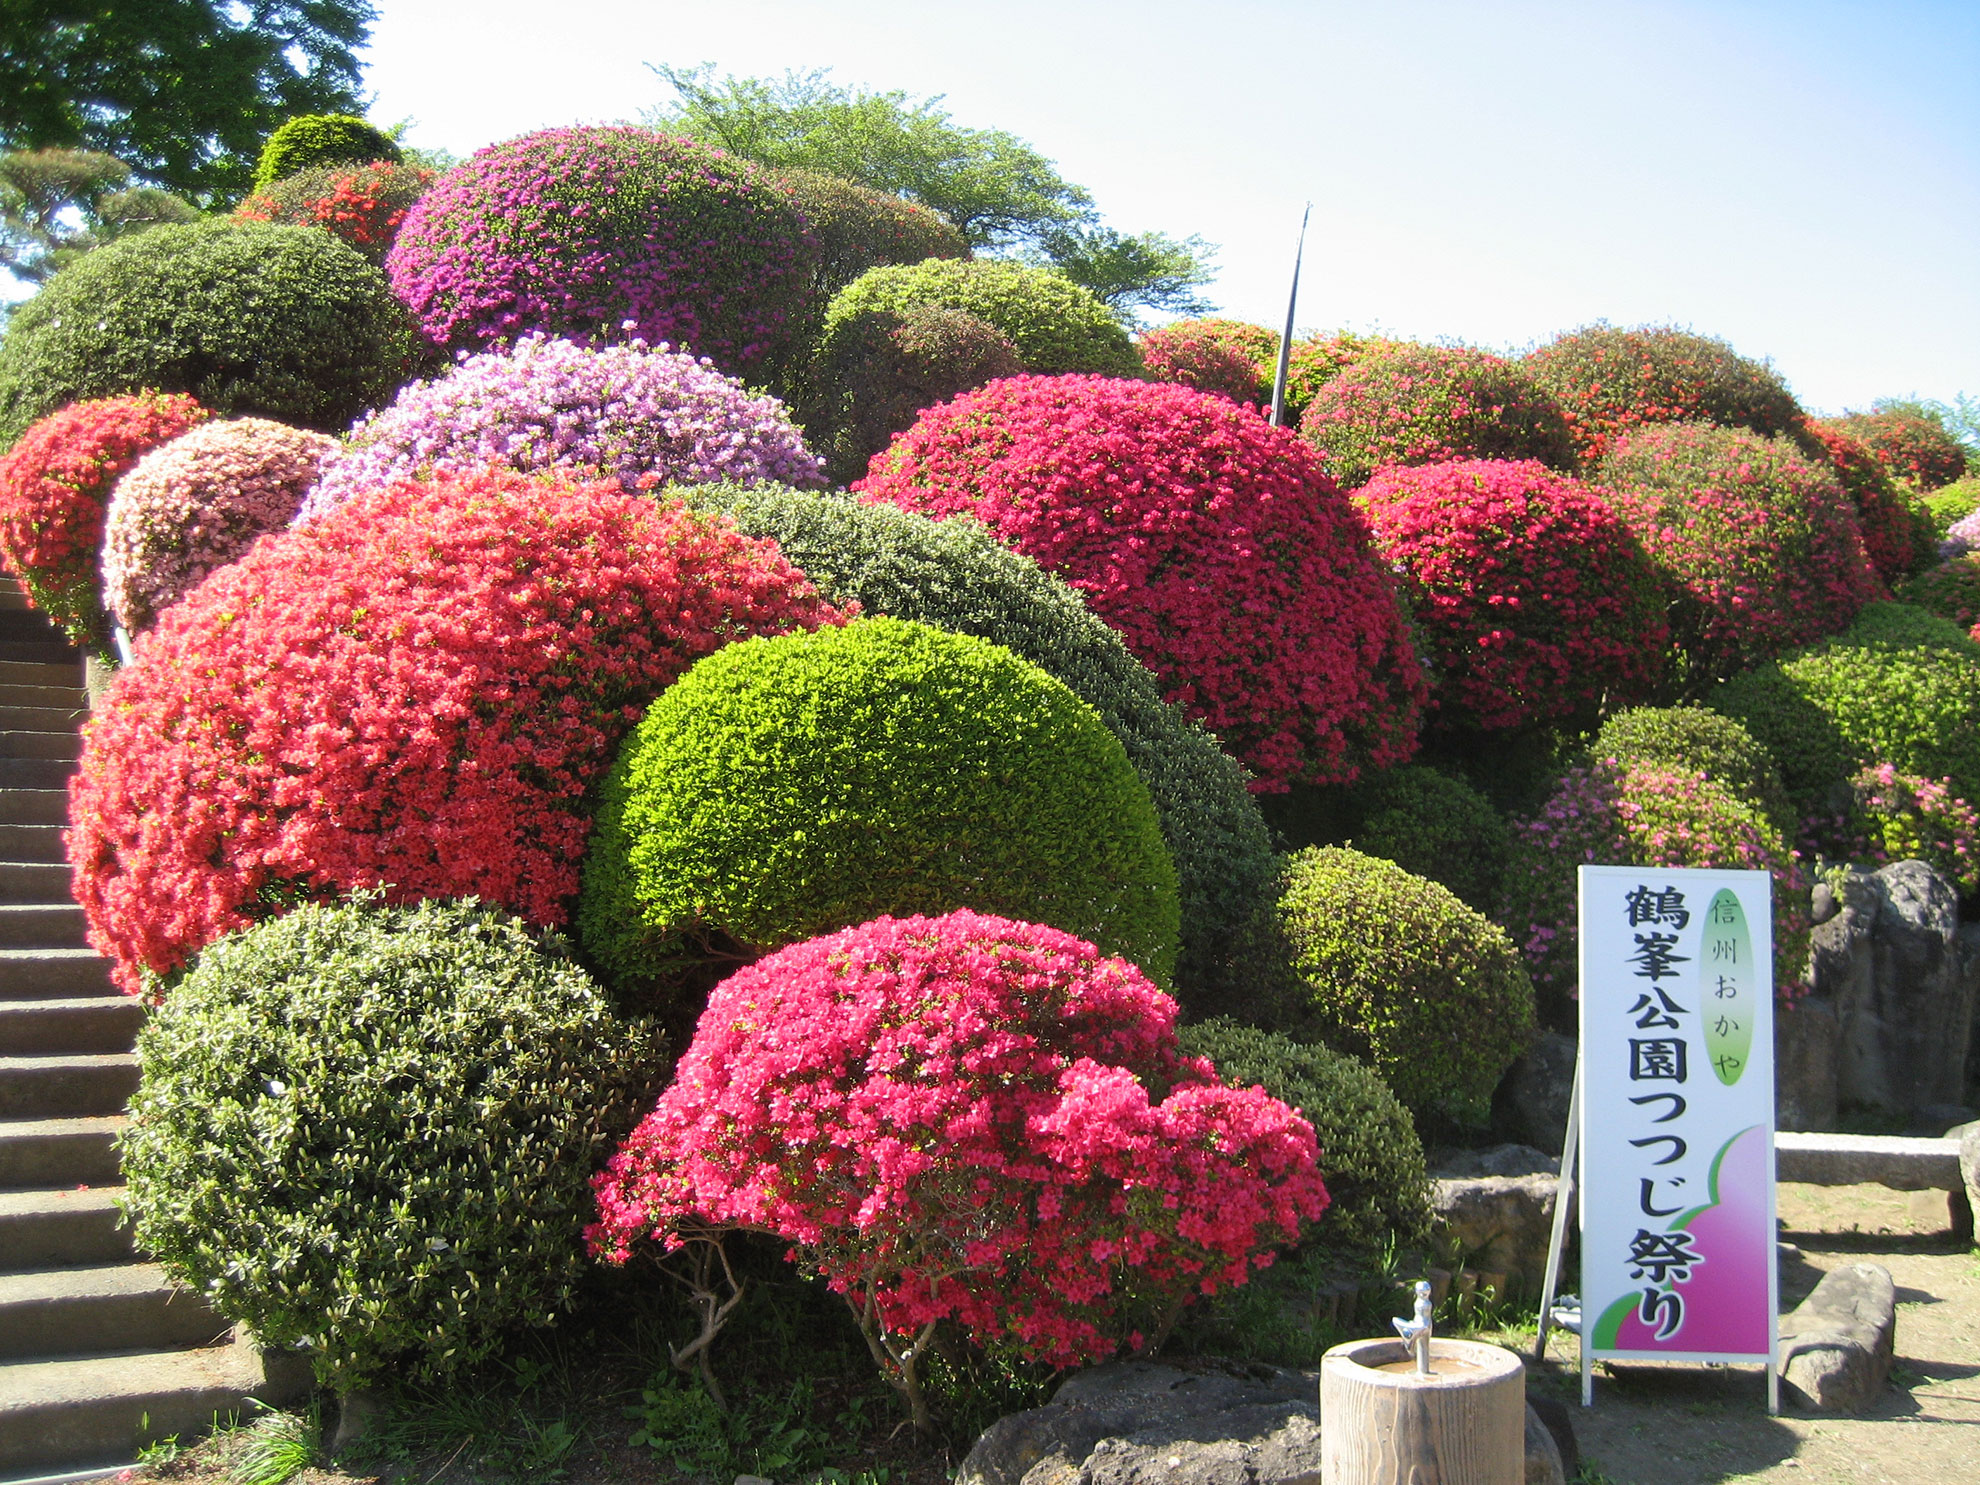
(1415, 1331)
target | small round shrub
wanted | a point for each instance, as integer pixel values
(1536, 602)
(857, 228)
(1400, 403)
(1900, 686)
(1891, 816)
(877, 371)
(609, 232)
(792, 787)
(249, 317)
(365, 205)
(369, 1132)
(967, 1119)
(1757, 543)
(420, 690)
(1315, 360)
(1213, 355)
(1370, 1157)
(1950, 590)
(197, 503)
(1432, 826)
(1951, 503)
(957, 576)
(1214, 543)
(1914, 448)
(1056, 325)
(1361, 955)
(1611, 814)
(1898, 533)
(1694, 739)
(320, 139)
(55, 485)
(618, 412)
(1609, 382)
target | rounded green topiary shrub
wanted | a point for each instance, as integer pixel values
(1056, 325)
(954, 575)
(1694, 739)
(1381, 964)
(321, 139)
(1899, 686)
(1434, 826)
(1954, 502)
(1370, 1156)
(371, 1131)
(858, 228)
(255, 318)
(1951, 590)
(786, 788)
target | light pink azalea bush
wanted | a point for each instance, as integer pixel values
(619, 412)
(970, 1119)
(197, 503)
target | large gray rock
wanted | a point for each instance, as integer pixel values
(1836, 1345)
(1903, 977)
(1969, 1169)
(1496, 1207)
(1544, 1465)
(1531, 1104)
(1807, 1045)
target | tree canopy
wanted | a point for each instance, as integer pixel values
(183, 91)
(55, 205)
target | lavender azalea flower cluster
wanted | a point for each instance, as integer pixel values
(1962, 536)
(621, 412)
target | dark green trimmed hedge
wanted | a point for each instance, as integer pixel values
(858, 228)
(1432, 825)
(787, 787)
(321, 139)
(1694, 739)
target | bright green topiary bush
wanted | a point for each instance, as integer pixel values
(320, 139)
(955, 575)
(254, 318)
(1950, 503)
(1434, 826)
(1056, 325)
(1693, 739)
(1370, 1156)
(786, 788)
(1381, 964)
(371, 1130)
(1899, 686)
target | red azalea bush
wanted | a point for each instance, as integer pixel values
(1609, 381)
(969, 1119)
(1215, 544)
(418, 691)
(1401, 403)
(363, 204)
(1537, 603)
(55, 485)
(1757, 543)
(1213, 355)
(1914, 449)
(1898, 532)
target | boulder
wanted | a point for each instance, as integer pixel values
(1544, 1465)
(1836, 1346)
(1969, 1169)
(1902, 976)
(1807, 1043)
(1531, 1104)
(1496, 1208)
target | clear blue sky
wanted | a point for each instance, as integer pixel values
(1800, 179)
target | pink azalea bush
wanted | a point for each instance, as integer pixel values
(1535, 600)
(617, 412)
(1897, 816)
(196, 504)
(419, 692)
(1216, 545)
(1212, 355)
(969, 1119)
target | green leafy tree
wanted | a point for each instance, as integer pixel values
(55, 205)
(184, 91)
(1150, 270)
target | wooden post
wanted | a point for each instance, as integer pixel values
(1382, 1424)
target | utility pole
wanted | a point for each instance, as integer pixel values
(1285, 340)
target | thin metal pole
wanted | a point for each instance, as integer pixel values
(1563, 1190)
(1285, 340)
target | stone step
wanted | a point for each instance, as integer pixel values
(1901, 1162)
(40, 927)
(34, 806)
(66, 1086)
(97, 1412)
(42, 673)
(64, 695)
(59, 1152)
(35, 773)
(65, 745)
(13, 595)
(43, 718)
(50, 1312)
(63, 1227)
(40, 651)
(42, 843)
(66, 1027)
(34, 882)
(53, 974)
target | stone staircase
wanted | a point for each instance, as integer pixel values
(99, 1352)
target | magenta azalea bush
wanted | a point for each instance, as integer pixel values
(621, 412)
(198, 503)
(966, 1119)
(576, 231)
(1897, 816)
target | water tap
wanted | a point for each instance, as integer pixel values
(1415, 1331)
